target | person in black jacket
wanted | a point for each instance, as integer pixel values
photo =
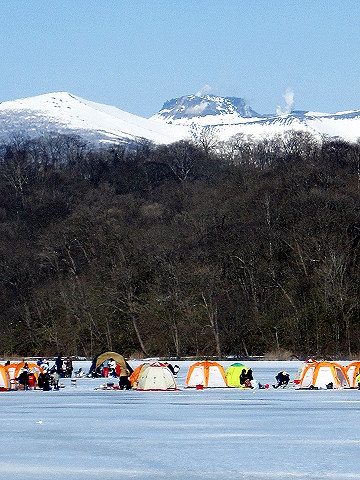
(243, 377)
(23, 378)
(282, 379)
(59, 365)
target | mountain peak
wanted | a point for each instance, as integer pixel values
(62, 112)
(191, 106)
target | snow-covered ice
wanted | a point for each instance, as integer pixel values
(83, 433)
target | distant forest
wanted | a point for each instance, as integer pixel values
(241, 249)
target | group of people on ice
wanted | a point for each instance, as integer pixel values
(45, 378)
(247, 380)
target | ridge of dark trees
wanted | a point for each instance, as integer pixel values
(201, 249)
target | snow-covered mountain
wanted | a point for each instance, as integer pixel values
(67, 114)
(194, 106)
(225, 117)
(181, 118)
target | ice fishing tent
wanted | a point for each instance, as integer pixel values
(4, 379)
(136, 373)
(353, 370)
(206, 374)
(300, 373)
(233, 374)
(119, 359)
(11, 369)
(33, 368)
(322, 374)
(156, 376)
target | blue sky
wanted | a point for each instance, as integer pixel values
(136, 54)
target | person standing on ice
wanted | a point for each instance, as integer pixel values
(59, 365)
(69, 367)
(23, 378)
(124, 381)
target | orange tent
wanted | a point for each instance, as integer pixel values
(33, 368)
(353, 370)
(206, 374)
(136, 374)
(301, 369)
(11, 368)
(322, 374)
(4, 379)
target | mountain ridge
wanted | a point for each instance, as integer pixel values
(190, 106)
(180, 118)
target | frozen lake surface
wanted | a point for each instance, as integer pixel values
(83, 433)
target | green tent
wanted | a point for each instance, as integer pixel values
(233, 374)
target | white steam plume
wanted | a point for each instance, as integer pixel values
(289, 99)
(206, 89)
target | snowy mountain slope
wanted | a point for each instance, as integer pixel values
(229, 116)
(181, 118)
(67, 114)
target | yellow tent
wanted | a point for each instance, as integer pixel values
(233, 374)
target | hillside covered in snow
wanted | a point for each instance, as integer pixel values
(229, 116)
(67, 114)
(186, 118)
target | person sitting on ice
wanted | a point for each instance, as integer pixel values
(44, 381)
(243, 377)
(79, 373)
(249, 379)
(246, 377)
(282, 379)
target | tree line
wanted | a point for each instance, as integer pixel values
(240, 249)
